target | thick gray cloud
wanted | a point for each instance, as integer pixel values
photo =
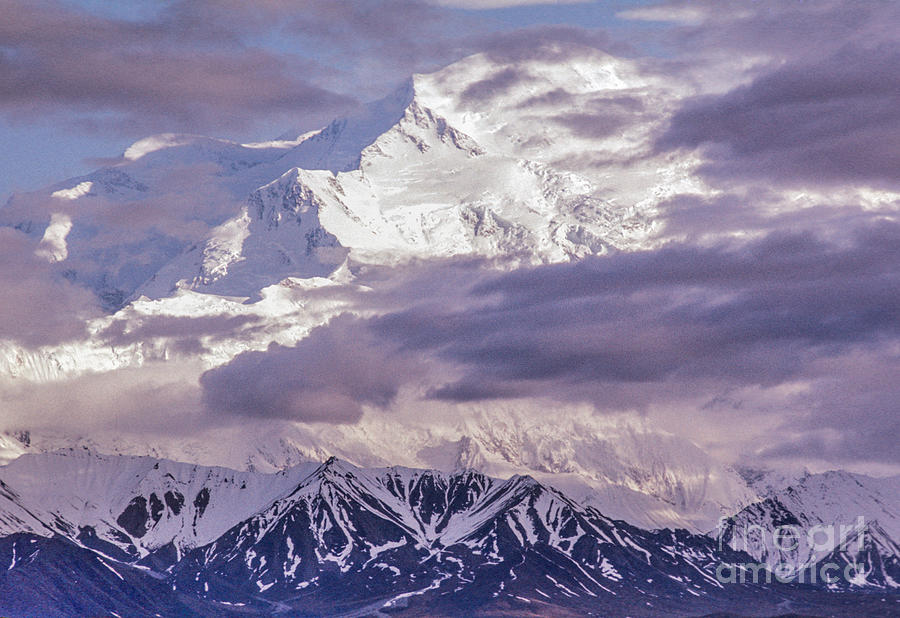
(831, 121)
(328, 377)
(684, 326)
(749, 314)
(778, 30)
(171, 72)
(816, 96)
(38, 306)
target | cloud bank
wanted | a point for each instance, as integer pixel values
(793, 325)
(828, 122)
(328, 377)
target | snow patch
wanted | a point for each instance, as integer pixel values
(82, 188)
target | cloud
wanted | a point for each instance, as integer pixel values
(233, 67)
(328, 377)
(849, 411)
(172, 72)
(605, 116)
(744, 315)
(765, 332)
(183, 333)
(499, 4)
(155, 399)
(363, 49)
(546, 42)
(39, 306)
(761, 210)
(699, 29)
(828, 122)
(668, 13)
(493, 86)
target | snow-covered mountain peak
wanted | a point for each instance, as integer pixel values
(490, 81)
(520, 106)
(334, 468)
(843, 507)
(401, 177)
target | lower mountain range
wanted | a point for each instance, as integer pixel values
(87, 534)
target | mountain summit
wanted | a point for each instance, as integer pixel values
(402, 178)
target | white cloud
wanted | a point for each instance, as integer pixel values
(500, 4)
(671, 14)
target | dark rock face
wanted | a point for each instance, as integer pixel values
(174, 500)
(134, 519)
(156, 508)
(202, 501)
(87, 537)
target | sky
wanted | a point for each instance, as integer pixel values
(763, 323)
(83, 79)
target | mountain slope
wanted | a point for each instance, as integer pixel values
(830, 518)
(132, 508)
(867, 558)
(396, 533)
(54, 577)
(333, 538)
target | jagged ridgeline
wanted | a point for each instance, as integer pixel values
(93, 534)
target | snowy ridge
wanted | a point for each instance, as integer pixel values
(871, 558)
(859, 519)
(334, 537)
(376, 527)
(130, 507)
(630, 472)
